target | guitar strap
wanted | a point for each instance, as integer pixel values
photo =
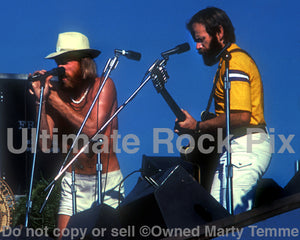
(213, 88)
(206, 112)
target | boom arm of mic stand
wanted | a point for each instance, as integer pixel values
(110, 65)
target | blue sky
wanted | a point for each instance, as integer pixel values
(268, 30)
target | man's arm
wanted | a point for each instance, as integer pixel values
(237, 119)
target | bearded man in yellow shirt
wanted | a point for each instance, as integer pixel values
(250, 144)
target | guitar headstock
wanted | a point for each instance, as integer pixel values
(159, 76)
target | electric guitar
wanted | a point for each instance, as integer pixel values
(205, 163)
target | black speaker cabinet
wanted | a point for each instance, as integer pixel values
(15, 116)
(17, 109)
(171, 199)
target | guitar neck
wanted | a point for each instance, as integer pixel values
(173, 105)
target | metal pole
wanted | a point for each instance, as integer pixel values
(229, 169)
(29, 202)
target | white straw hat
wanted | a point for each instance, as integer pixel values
(73, 42)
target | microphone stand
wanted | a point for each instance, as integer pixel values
(29, 202)
(94, 138)
(110, 65)
(229, 167)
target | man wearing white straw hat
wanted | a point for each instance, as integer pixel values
(64, 107)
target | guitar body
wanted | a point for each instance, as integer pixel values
(205, 163)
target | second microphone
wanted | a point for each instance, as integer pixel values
(129, 54)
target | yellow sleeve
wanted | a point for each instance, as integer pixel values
(240, 92)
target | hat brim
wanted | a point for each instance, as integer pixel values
(93, 53)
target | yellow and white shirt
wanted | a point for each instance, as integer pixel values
(246, 89)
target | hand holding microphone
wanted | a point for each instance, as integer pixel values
(40, 77)
(59, 72)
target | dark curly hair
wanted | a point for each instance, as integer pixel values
(212, 18)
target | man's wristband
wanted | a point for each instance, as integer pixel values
(197, 129)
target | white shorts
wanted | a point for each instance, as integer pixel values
(250, 161)
(86, 191)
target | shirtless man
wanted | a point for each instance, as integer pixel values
(64, 108)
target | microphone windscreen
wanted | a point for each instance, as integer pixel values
(183, 47)
(134, 55)
(60, 71)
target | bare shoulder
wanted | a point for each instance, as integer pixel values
(109, 89)
(109, 84)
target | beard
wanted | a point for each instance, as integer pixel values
(209, 56)
(72, 84)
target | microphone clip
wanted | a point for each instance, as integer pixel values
(159, 74)
(224, 53)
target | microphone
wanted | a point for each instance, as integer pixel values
(129, 54)
(59, 71)
(178, 49)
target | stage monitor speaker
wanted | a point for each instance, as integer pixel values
(152, 165)
(172, 199)
(293, 185)
(267, 191)
(98, 222)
